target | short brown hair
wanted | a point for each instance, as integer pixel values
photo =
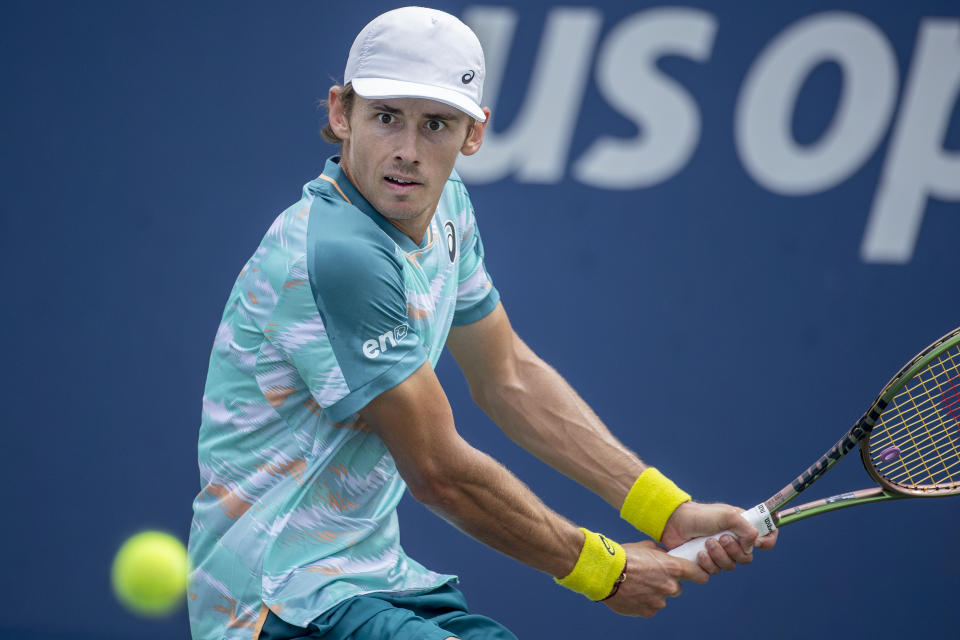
(346, 98)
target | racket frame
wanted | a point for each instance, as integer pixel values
(767, 515)
(859, 435)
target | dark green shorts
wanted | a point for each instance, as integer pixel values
(434, 615)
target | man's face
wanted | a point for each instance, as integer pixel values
(399, 152)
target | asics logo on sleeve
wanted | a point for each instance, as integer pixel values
(451, 234)
(374, 347)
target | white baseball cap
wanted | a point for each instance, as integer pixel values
(415, 52)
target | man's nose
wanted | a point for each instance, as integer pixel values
(407, 146)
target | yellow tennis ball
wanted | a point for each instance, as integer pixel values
(149, 573)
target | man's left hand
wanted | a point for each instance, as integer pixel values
(692, 520)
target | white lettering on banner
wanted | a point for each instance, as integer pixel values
(764, 114)
(666, 115)
(535, 147)
(917, 166)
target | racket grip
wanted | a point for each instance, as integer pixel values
(758, 516)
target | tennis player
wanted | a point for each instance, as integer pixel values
(322, 407)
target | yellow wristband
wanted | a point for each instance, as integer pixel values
(651, 502)
(598, 568)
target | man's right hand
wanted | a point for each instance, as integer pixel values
(652, 577)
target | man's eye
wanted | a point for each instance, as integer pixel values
(435, 125)
(386, 118)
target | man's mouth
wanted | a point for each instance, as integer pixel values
(401, 182)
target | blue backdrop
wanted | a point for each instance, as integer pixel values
(726, 224)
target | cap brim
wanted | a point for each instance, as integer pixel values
(383, 88)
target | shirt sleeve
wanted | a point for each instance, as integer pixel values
(356, 278)
(476, 295)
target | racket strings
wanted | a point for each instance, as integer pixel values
(913, 475)
(926, 447)
(925, 423)
(931, 404)
(891, 429)
(929, 452)
(915, 441)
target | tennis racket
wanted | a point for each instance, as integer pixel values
(909, 443)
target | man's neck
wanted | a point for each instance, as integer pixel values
(413, 228)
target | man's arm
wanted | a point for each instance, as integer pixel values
(538, 410)
(483, 499)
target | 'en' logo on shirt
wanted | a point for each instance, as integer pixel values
(374, 347)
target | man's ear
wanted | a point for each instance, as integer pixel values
(338, 116)
(472, 144)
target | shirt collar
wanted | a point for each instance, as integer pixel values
(334, 181)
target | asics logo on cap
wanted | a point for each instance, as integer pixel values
(467, 77)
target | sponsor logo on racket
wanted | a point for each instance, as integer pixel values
(951, 400)
(827, 461)
(768, 524)
(850, 495)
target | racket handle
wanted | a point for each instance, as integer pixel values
(759, 517)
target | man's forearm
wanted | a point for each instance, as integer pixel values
(542, 413)
(484, 500)
(466, 486)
